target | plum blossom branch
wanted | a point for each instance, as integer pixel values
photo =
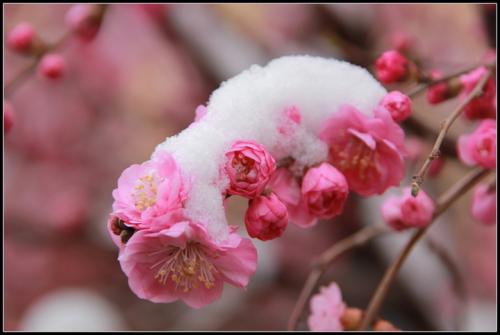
(443, 203)
(429, 82)
(445, 126)
(326, 258)
(24, 74)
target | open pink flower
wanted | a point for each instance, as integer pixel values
(398, 105)
(284, 184)
(484, 204)
(367, 150)
(266, 217)
(484, 106)
(480, 147)
(391, 66)
(149, 193)
(249, 168)
(184, 262)
(406, 211)
(327, 309)
(325, 190)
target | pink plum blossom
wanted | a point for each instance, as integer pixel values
(398, 105)
(266, 217)
(327, 308)
(21, 38)
(391, 66)
(83, 20)
(249, 168)
(286, 186)
(52, 66)
(325, 190)
(148, 194)
(367, 150)
(8, 116)
(480, 147)
(184, 262)
(484, 204)
(484, 106)
(406, 211)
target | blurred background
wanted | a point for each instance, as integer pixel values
(140, 81)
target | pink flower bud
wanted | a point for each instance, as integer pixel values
(398, 105)
(21, 37)
(437, 93)
(266, 217)
(484, 106)
(391, 66)
(325, 191)
(82, 20)
(484, 204)
(406, 211)
(480, 147)
(8, 116)
(52, 66)
(249, 168)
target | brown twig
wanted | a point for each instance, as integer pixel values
(419, 89)
(25, 73)
(444, 201)
(326, 258)
(445, 126)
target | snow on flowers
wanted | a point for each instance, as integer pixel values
(294, 137)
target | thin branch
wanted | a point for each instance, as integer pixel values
(324, 260)
(444, 201)
(445, 126)
(421, 88)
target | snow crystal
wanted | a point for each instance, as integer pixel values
(250, 106)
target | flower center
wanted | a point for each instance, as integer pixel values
(243, 165)
(355, 156)
(145, 192)
(186, 267)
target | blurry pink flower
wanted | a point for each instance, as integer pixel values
(400, 41)
(484, 106)
(436, 167)
(327, 309)
(480, 147)
(367, 150)
(287, 188)
(325, 190)
(21, 38)
(437, 93)
(200, 112)
(391, 66)
(292, 118)
(84, 20)
(249, 168)
(8, 116)
(149, 193)
(184, 262)
(398, 105)
(406, 211)
(52, 66)
(415, 148)
(484, 204)
(266, 217)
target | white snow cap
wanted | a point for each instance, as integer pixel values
(250, 106)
